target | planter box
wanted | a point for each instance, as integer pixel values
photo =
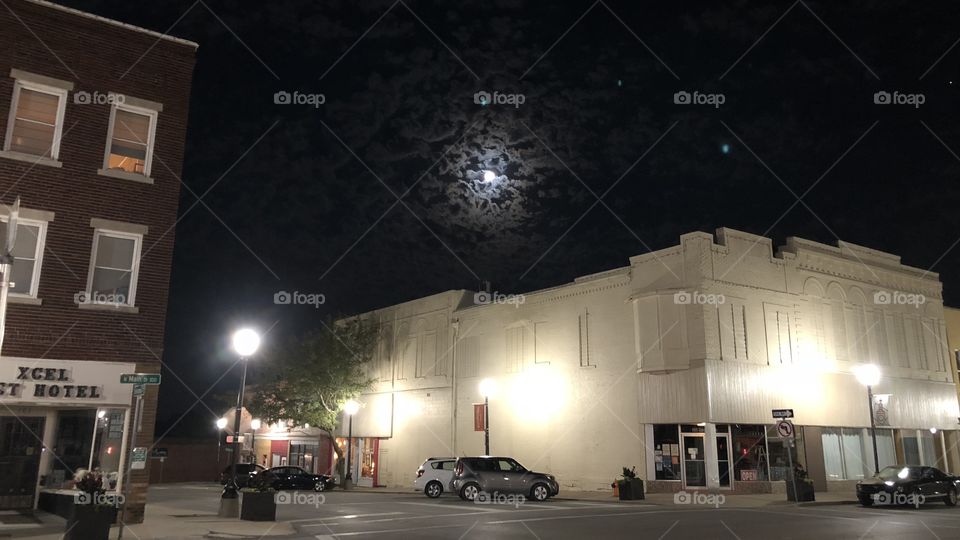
(90, 522)
(631, 490)
(258, 506)
(804, 491)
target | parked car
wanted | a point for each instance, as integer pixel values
(473, 475)
(245, 471)
(908, 484)
(433, 475)
(289, 477)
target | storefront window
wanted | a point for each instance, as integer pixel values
(666, 451)
(843, 453)
(928, 449)
(779, 460)
(911, 447)
(886, 449)
(71, 446)
(749, 453)
(303, 455)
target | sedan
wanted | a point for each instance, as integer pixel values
(908, 484)
(296, 478)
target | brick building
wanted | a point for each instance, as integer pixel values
(95, 119)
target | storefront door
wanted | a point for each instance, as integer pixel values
(694, 464)
(723, 459)
(19, 460)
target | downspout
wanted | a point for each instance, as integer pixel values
(455, 325)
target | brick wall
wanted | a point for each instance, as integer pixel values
(96, 57)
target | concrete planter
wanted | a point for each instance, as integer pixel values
(90, 522)
(630, 490)
(804, 491)
(258, 506)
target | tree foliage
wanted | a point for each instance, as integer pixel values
(308, 380)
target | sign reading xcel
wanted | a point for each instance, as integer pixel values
(783, 413)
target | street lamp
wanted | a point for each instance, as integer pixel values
(869, 376)
(245, 343)
(487, 388)
(350, 408)
(221, 423)
(254, 426)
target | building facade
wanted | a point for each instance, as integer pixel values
(94, 118)
(673, 365)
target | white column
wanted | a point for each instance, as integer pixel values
(710, 456)
(651, 458)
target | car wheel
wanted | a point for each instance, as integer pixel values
(469, 492)
(539, 492)
(320, 486)
(865, 500)
(433, 489)
(951, 498)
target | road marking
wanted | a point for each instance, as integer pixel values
(363, 533)
(548, 518)
(478, 508)
(348, 516)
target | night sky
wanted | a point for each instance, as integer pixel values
(301, 197)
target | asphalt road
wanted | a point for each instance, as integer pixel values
(388, 516)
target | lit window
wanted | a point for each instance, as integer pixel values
(130, 143)
(36, 120)
(113, 269)
(27, 253)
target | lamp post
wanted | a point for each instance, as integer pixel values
(221, 423)
(254, 426)
(350, 408)
(487, 388)
(869, 376)
(245, 343)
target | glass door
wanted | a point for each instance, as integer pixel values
(723, 459)
(694, 464)
(19, 460)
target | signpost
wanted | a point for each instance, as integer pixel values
(137, 459)
(785, 431)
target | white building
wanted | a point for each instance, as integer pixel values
(673, 365)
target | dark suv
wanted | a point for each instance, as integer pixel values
(486, 474)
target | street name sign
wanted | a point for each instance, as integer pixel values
(140, 378)
(783, 413)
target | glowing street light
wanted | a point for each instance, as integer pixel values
(350, 408)
(488, 387)
(221, 423)
(869, 376)
(254, 426)
(245, 342)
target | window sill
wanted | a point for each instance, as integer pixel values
(26, 300)
(124, 175)
(110, 307)
(30, 158)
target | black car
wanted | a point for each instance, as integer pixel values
(908, 484)
(288, 477)
(245, 471)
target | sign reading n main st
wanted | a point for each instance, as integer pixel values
(140, 378)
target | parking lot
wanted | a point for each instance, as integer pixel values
(339, 514)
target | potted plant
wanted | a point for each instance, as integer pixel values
(258, 502)
(91, 515)
(629, 487)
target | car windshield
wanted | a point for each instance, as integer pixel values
(899, 473)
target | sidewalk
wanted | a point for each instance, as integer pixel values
(666, 499)
(165, 522)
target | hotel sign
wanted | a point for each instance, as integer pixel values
(31, 381)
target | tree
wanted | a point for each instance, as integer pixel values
(309, 379)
